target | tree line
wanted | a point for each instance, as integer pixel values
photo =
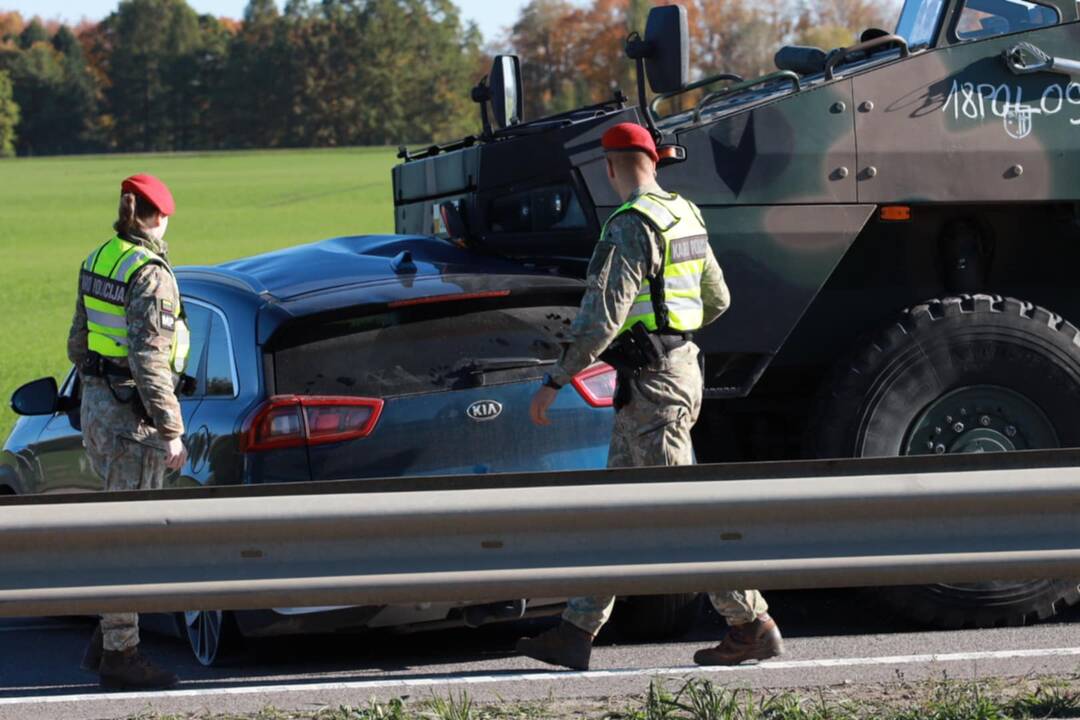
(156, 76)
(572, 54)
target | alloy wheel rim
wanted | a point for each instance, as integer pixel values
(204, 633)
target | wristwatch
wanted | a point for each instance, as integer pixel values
(549, 381)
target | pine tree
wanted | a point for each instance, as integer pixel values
(151, 42)
(35, 32)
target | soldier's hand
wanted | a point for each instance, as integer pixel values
(175, 454)
(540, 403)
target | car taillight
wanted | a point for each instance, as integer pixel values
(276, 425)
(596, 384)
(293, 421)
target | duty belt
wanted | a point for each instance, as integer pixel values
(673, 339)
(95, 365)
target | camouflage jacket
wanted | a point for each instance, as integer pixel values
(150, 342)
(629, 253)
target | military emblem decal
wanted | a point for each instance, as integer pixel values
(168, 315)
(1018, 122)
(985, 101)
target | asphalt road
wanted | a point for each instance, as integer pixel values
(832, 637)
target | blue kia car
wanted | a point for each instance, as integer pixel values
(373, 356)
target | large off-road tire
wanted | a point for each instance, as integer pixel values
(651, 618)
(975, 373)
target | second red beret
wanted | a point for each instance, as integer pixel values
(629, 136)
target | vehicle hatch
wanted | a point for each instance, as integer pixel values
(453, 381)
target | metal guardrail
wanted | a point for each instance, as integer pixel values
(606, 533)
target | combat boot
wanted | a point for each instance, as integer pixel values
(92, 657)
(757, 640)
(130, 670)
(566, 645)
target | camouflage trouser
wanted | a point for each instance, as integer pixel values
(123, 464)
(654, 429)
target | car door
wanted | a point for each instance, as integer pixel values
(58, 450)
(211, 441)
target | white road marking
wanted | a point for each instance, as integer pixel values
(553, 676)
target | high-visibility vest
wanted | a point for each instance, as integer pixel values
(671, 300)
(104, 280)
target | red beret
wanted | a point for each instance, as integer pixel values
(152, 190)
(630, 136)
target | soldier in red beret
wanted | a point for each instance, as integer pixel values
(652, 282)
(129, 341)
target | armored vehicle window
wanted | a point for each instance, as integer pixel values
(989, 18)
(547, 208)
(446, 346)
(919, 21)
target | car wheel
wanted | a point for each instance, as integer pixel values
(963, 374)
(211, 634)
(649, 618)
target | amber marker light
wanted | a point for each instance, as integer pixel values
(896, 213)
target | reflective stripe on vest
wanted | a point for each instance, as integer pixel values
(104, 281)
(686, 242)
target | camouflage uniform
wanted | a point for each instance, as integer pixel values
(653, 428)
(125, 451)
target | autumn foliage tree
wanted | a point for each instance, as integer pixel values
(573, 55)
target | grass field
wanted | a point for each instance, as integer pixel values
(54, 211)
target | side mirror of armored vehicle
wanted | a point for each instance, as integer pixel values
(39, 397)
(450, 221)
(507, 100)
(667, 63)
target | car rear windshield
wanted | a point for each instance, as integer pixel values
(424, 349)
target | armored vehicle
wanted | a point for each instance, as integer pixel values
(898, 221)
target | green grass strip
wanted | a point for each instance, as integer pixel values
(228, 205)
(701, 699)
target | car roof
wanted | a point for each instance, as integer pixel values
(343, 261)
(348, 272)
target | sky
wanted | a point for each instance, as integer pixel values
(491, 15)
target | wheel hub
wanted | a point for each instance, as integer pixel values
(980, 418)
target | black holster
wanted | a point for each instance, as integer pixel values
(634, 351)
(622, 395)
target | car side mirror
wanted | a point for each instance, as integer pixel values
(40, 397)
(507, 99)
(667, 60)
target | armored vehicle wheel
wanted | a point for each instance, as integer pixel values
(211, 634)
(963, 374)
(648, 618)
